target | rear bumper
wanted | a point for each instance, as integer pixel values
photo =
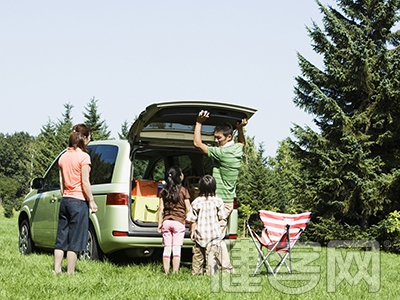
(146, 236)
(116, 243)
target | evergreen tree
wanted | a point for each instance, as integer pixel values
(8, 191)
(52, 139)
(93, 119)
(15, 169)
(351, 164)
(284, 179)
(124, 131)
(47, 147)
(252, 185)
(244, 195)
(64, 125)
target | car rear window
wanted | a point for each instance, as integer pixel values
(178, 127)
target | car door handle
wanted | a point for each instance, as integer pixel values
(53, 199)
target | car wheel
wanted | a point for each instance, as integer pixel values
(26, 245)
(93, 251)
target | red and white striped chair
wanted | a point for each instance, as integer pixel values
(280, 234)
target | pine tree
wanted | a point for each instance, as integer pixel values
(349, 165)
(52, 139)
(285, 176)
(252, 184)
(47, 147)
(64, 125)
(15, 169)
(124, 131)
(93, 119)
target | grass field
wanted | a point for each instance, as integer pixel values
(319, 273)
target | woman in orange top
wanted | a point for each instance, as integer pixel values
(73, 219)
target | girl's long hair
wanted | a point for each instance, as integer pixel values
(78, 135)
(170, 192)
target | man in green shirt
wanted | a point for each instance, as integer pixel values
(227, 156)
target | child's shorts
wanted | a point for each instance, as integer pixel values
(173, 233)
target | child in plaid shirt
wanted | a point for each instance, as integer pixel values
(204, 215)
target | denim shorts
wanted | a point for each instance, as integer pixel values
(73, 225)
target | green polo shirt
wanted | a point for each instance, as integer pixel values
(226, 169)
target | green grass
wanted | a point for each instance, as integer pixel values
(30, 277)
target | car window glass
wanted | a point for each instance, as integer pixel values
(194, 165)
(52, 178)
(159, 170)
(185, 163)
(208, 164)
(139, 168)
(191, 165)
(103, 162)
(178, 127)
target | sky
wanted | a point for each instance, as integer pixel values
(129, 54)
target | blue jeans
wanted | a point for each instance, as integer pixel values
(73, 225)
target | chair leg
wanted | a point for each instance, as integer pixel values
(264, 261)
(260, 259)
(282, 262)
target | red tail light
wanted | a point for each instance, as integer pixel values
(117, 199)
(119, 233)
(233, 236)
(234, 203)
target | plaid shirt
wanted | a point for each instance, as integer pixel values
(206, 213)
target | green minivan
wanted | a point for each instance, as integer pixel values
(126, 176)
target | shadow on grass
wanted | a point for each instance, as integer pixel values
(120, 258)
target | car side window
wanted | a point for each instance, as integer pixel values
(103, 159)
(208, 164)
(52, 178)
(159, 170)
(185, 163)
(139, 167)
(194, 165)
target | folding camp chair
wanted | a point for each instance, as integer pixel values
(280, 234)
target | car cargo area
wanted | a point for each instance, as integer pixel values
(145, 200)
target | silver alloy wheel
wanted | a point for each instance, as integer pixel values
(25, 242)
(87, 254)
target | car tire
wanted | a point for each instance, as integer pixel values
(93, 251)
(26, 245)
